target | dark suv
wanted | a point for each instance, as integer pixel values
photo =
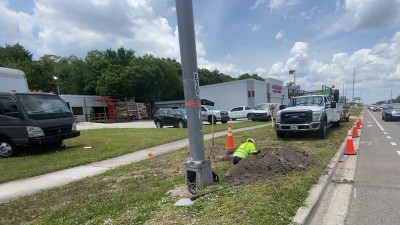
(170, 117)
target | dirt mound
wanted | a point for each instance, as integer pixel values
(268, 164)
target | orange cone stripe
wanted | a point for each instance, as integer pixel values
(193, 103)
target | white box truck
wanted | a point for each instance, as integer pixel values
(30, 118)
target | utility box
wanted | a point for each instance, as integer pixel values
(198, 175)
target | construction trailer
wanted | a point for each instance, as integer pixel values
(93, 108)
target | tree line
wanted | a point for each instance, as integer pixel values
(116, 73)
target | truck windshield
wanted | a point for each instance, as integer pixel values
(35, 104)
(309, 101)
(262, 107)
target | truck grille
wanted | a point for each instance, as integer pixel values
(223, 113)
(49, 131)
(296, 117)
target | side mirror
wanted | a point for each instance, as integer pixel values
(282, 107)
(333, 105)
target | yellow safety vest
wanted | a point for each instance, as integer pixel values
(245, 149)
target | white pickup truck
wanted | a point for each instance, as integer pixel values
(212, 115)
(240, 112)
(309, 113)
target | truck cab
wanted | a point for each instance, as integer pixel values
(33, 119)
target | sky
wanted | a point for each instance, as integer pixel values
(326, 42)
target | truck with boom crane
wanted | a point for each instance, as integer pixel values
(312, 112)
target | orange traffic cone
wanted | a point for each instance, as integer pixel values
(355, 132)
(230, 144)
(358, 123)
(349, 149)
(349, 132)
(150, 155)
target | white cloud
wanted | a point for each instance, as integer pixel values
(376, 69)
(280, 35)
(221, 67)
(374, 13)
(255, 28)
(75, 27)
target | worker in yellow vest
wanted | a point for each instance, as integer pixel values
(244, 150)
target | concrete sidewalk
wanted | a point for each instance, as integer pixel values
(23, 187)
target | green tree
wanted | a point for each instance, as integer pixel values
(207, 77)
(248, 76)
(12, 55)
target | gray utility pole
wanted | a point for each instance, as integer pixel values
(354, 75)
(198, 168)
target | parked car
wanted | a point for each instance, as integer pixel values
(265, 111)
(240, 112)
(170, 117)
(212, 115)
(391, 112)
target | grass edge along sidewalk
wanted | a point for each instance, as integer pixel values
(22, 187)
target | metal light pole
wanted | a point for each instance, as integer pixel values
(198, 168)
(354, 75)
(58, 87)
(294, 77)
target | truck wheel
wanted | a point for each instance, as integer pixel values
(210, 120)
(269, 118)
(280, 134)
(249, 116)
(224, 121)
(7, 148)
(337, 123)
(322, 132)
(158, 124)
(181, 124)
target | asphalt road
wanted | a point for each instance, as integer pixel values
(376, 189)
(365, 188)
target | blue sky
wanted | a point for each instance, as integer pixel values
(324, 41)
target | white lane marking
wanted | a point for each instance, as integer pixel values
(388, 137)
(376, 121)
(398, 152)
(393, 143)
(385, 132)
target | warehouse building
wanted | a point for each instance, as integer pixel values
(248, 92)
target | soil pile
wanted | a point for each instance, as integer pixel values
(267, 164)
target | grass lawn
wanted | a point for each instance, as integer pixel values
(104, 143)
(137, 193)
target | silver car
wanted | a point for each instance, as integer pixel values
(391, 112)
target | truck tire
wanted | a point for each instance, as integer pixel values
(158, 124)
(249, 116)
(322, 132)
(280, 134)
(337, 123)
(181, 124)
(7, 148)
(224, 121)
(210, 120)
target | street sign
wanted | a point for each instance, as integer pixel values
(196, 84)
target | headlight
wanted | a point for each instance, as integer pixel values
(316, 116)
(278, 117)
(73, 127)
(34, 131)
